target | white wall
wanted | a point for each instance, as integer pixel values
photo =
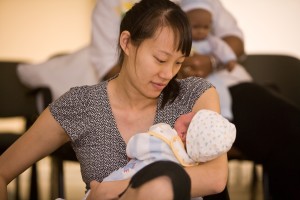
(268, 25)
(33, 30)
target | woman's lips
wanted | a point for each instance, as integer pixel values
(159, 86)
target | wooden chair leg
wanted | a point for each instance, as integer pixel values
(17, 192)
(34, 195)
(57, 178)
(266, 192)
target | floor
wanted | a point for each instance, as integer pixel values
(239, 184)
(240, 180)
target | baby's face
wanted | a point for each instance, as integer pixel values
(182, 123)
(200, 21)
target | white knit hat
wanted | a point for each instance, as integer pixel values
(209, 135)
(187, 5)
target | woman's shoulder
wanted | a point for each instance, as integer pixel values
(87, 89)
(194, 83)
(81, 96)
(191, 89)
(86, 92)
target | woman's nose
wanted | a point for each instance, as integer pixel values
(167, 72)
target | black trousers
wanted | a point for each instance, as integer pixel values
(268, 132)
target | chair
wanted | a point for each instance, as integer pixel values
(279, 73)
(6, 139)
(17, 101)
(64, 153)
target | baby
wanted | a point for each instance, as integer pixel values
(200, 16)
(197, 137)
(225, 69)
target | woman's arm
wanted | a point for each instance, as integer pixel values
(45, 136)
(210, 177)
(107, 190)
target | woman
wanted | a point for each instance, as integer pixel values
(154, 40)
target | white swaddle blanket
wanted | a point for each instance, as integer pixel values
(209, 135)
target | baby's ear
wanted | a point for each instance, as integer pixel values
(182, 136)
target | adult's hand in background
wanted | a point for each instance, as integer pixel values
(196, 65)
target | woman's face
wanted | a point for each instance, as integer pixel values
(154, 63)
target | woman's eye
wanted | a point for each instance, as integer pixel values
(160, 61)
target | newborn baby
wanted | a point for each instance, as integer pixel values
(208, 136)
(197, 137)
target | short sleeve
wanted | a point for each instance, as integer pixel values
(191, 89)
(70, 112)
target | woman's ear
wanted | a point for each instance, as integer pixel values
(125, 41)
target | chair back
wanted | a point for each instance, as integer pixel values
(16, 99)
(279, 71)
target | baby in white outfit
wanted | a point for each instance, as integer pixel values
(208, 136)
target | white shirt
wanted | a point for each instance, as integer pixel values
(89, 65)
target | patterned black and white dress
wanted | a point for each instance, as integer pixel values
(86, 116)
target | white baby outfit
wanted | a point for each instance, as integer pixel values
(214, 45)
(209, 135)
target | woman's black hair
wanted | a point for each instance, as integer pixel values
(145, 18)
(181, 182)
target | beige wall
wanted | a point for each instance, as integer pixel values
(33, 30)
(268, 25)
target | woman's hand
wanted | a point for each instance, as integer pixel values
(109, 190)
(100, 192)
(196, 65)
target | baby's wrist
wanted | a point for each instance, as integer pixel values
(214, 62)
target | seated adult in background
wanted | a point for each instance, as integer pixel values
(268, 127)
(226, 71)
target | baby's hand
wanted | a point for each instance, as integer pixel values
(182, 123)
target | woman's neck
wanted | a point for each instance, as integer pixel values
(133, 112)
(122, 93)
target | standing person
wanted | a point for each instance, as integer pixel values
(268, 127)
(98, 120)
